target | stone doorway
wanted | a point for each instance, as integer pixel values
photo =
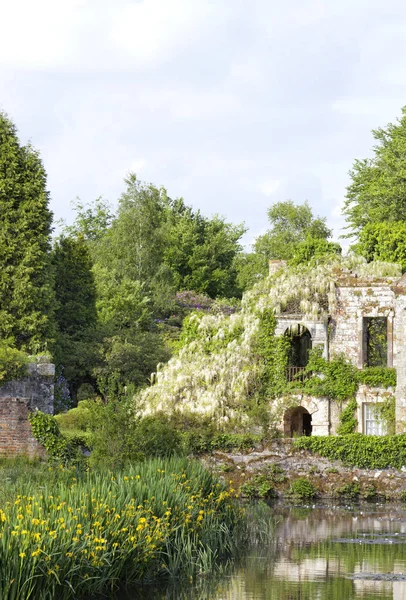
(297, 421)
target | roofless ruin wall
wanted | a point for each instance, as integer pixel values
(17, 400)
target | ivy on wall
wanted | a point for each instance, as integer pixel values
(45, 430)
(337, 379)
(358, 450)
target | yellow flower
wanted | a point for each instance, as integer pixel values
(36, 552)
(22, 554)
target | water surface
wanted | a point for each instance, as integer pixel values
(323, 552)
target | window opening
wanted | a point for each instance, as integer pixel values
(298, 357)
(375, 338)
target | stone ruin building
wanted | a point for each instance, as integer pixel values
(17, 399)
(368, 309)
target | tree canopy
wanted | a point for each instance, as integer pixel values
(26, 286)
(291, 224)
(377, 192)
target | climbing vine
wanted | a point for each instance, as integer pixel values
(46, 431)
(225, 363)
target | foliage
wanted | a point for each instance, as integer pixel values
(377, 191)
(167, 247)
(225, 380)
(350, 491)
(26, 287)
(128, 361)
(75, 288)
(348, 420)
(202, 440)
(314, 249)
(262, 484)
(378, 377)
(386, 413)
(385, 241)
(75, 291)
(335, 379)
(291, 225)
(46, 431)
(273, 351)
(258, 487)
(78, 418)
(250, 267)
(92, 221)
(121, 301)
(358, 450)
(302, 489)
(13, 362)
(86, 534)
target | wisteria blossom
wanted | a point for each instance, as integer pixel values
(218, 383)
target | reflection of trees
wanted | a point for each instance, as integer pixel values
(305, 563)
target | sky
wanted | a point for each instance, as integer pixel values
(232, 104)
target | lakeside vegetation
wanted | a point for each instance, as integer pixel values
(68, 533)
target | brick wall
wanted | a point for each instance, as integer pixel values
(17, 400)
(15, 430)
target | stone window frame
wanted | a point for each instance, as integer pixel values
(368, 417)
(389, 315)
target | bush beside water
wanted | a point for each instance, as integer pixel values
(86, 533)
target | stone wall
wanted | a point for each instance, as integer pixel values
(357, 299)
(17, 400)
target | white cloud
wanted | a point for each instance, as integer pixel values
(152, 29)
(37, 34)
(269, 186)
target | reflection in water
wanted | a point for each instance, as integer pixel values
(321, 553)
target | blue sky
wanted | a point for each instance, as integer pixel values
(233, 105)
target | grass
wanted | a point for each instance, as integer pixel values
(71, 534)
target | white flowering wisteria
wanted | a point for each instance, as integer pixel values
(217, 383)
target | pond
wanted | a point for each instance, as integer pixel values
(322, 552)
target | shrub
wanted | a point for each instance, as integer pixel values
(351, 491)
(258, 487)
(13, 362)
(302, 489)
(79, 418)
(46, 431)
(358, 450)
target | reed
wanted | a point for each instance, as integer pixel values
(77, 534)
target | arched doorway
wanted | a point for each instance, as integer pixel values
(297, 421)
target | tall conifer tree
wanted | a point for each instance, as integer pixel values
(26, 290)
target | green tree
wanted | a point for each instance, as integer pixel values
(377, 192)
(76, 351)
(75, 289)
(314, 249)
(92, 220)
(26, 286)
(165, 245)
(384, 241)
(251, 268)
(291, 225)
